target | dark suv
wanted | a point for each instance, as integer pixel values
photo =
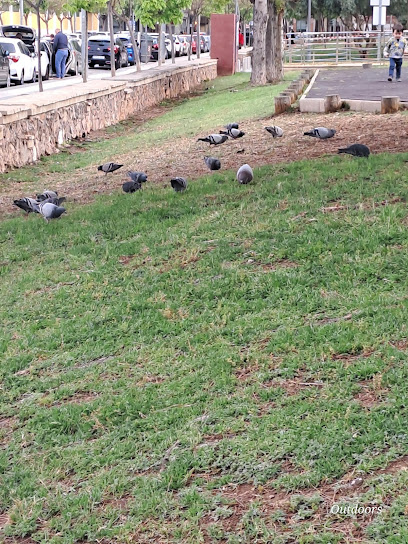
(99, 52)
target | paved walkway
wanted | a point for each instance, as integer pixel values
(359, 83)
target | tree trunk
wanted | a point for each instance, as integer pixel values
(173, 53)
(134, 45)
(270, 45)
(198, 36)
(274, 64)
(84, 44)
(191, 34)
(40, 83)
(258, 76)
(112, 39)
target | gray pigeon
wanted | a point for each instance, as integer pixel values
(140, 177)
(233, 133)
(322, 133)
(50, 211)
(109, 167)
(231, 125)
(276, 132)
(29, 205)
(179, 184)
(131, 186)
(212, 163)
(245, 174)
(357, 150)
(214, 139)
(47, 194)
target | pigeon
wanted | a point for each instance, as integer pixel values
(47, 194)
(212, 163)
(140, 177)
(109, 167)
(357, 150)
(214, 139)
(233, 133)
(131, 186)
(322, 133)
(51, 196)
(245, 174)
(276, 132)
(50, 211)
(179, 184)
(231, 125)
(27, 204)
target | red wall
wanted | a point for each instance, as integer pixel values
(223, 42)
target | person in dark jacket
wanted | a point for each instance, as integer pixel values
(60, 49)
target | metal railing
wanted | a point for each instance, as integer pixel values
(335, 47)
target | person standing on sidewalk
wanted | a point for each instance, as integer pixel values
(60, 49)
(394, 49)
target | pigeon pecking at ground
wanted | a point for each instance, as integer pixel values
(131, 186)
(231, 125)
(140, 177)
(109, 167)
(245, 174)
(357, 150)
(50, 211)
(322, 133)
(233, 133)
(29, 205)
(214, 139)
(212, 163)
(179, 184)
(276, 132)
(51, 196)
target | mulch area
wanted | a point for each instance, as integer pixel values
(184, 156)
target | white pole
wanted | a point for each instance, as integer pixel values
(21, 9)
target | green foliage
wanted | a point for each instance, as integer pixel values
(151, 12)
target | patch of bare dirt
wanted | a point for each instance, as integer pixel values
(348, 358)
(160, 162)
(273, 266)
(346, 490)
(293, 386)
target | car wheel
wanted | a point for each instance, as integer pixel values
(117, 64)
(21, 80)
(91, 65)
(47, 73)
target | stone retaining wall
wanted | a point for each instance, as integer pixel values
(35, 125)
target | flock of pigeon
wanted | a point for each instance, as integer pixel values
(48, 204)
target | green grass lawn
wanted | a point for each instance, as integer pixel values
(173, 363)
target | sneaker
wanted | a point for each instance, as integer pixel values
(399, 80)
(390, 78)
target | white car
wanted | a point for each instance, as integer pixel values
(184, 45)
(22, 63)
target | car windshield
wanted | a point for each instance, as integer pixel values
(8, 47)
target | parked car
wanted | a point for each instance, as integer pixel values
(99, 52)
(177, 45)
(184, 44)
(125, 39)
(74, 60)
(27, 35)
(22, 63)
(207, 40)
(192, 44)
(45, 60)
(155, 47)
(5, 77)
